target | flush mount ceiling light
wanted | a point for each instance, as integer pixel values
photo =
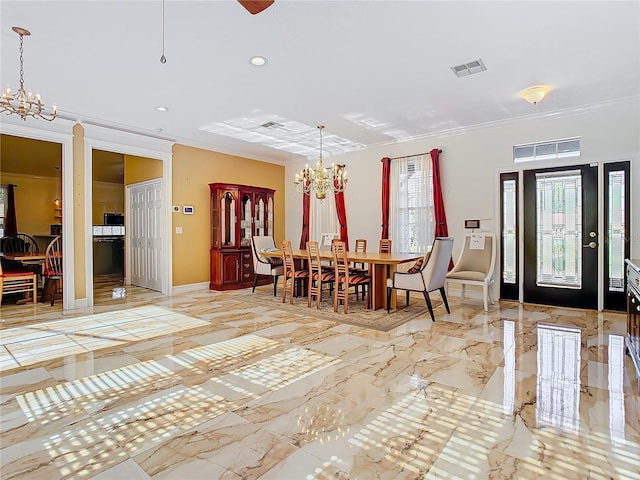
(321, 179)
(162, 109)
(258, 61)
(24, 103)
(535, 94)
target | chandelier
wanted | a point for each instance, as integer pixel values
(321, 179)
(24, 103)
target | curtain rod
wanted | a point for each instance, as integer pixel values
(8, 185)
(414, 155)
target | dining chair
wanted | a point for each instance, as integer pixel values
(430, 276)
(344, 280)
(263, 265)
(385, 245)
(19, 243)
(318, 273)
(359, 268)
(53, 270)
(475, 266)
(292, 278)
(18, 282)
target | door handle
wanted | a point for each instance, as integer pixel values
(590, 245)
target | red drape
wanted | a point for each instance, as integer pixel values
(386, 174)
(438, 202)
(10, 222)
(341, 210)
(306, 209)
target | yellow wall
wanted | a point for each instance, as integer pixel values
(193, 170)
(140, 169)
(34, 198)
(79, 267)
(107, 197)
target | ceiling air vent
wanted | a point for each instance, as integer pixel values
(470, 68)
(272, 125)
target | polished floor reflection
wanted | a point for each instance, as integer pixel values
(225, 385)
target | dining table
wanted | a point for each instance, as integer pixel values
(381, 267)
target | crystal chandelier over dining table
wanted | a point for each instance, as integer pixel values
(321, 179)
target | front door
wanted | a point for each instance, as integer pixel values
(561, 239)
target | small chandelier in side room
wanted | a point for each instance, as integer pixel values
(24, 103)
(321, 179)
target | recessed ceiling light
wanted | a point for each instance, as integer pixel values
(258, 61)
(162, 109)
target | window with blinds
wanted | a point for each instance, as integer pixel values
(412, 211)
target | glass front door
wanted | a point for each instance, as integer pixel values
(561, 237)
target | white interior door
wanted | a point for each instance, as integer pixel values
(145, 243)
(152, 219)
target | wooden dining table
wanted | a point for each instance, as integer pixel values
(26, 258)
(381, 267)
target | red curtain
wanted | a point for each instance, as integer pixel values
(438, 203)
(10, 222)
(341, 210)
(306, 209)
(386, 174)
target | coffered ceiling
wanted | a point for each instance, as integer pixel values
(374, 72)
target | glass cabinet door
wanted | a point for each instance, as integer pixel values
(245, 220)
(260, 218)
(270, 216)
(228, 220)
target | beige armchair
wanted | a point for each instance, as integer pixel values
(265, 265)
(475, 267)
(430, 276)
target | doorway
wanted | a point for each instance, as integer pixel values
(570, 247)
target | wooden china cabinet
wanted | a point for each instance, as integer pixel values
(238, 212)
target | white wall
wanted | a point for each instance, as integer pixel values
(471, 161)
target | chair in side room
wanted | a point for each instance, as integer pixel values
(384, 246)
(319, 275)
(294, 280)
(18, 282)
(53, 271)
(475, 266)
(19, 243)
(263, 265)
(430, 276)
(344, 280)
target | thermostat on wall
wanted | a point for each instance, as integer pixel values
(187, 210)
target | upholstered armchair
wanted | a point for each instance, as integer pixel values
(430, 276)
(475, 267)
(265, 265)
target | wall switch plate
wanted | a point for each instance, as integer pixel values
(179, 230)
(176, 209)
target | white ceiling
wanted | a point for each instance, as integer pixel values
(373, 72)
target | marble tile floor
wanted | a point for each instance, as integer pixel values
(203, 384)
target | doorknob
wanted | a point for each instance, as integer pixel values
(590, 245)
